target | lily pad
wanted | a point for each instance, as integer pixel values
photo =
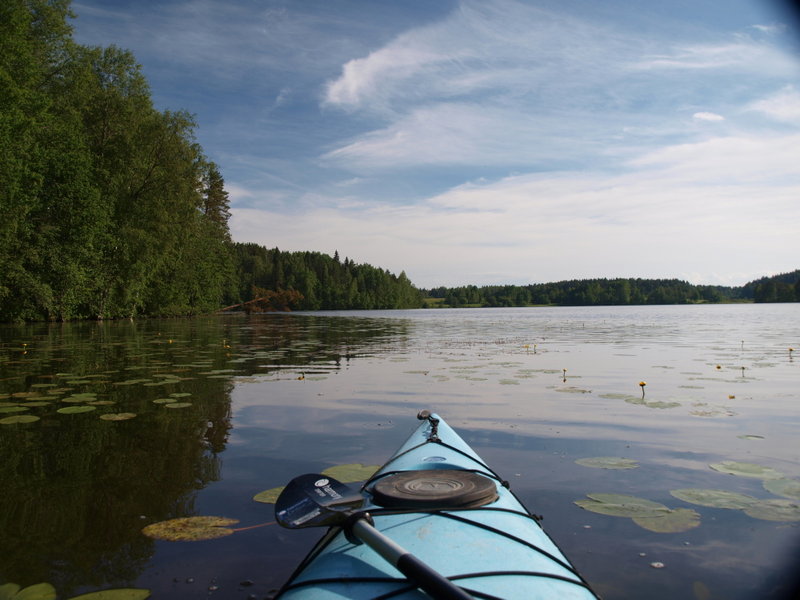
(351, 473)
(774, 510)
(18, 419)
(12, 409)
(790, 488)
(651, 403)
(180, 394)
(38, 591)
(608, 462)
(163, 401)
(115, 594)
(673, 521)
(177, 405)
(621, 505)
(268, 496)
(742, 469)
(714, 498)
(190, 529)
(102, 403)
(73, 410)
(118, 416)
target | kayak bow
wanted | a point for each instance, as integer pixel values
(436, 498)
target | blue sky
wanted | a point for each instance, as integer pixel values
(491, 141)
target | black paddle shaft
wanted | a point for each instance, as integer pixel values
(436, 585)
(318, 501)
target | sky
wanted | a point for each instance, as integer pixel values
(490, 141)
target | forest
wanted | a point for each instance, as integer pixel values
(585, 292)
(109, 208)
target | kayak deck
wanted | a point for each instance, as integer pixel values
(497, 550)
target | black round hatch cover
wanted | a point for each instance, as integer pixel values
(434, 488)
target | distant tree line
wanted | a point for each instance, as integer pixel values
(321, 282)
(779, 288)
(588, 292)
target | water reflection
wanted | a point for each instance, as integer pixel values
(77, 490)
(268, 397)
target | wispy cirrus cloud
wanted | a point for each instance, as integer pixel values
(707, 116)
(782, 106)
(507, 82)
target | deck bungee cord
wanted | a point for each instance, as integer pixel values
(468, 534)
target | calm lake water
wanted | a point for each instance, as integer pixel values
(227, 407)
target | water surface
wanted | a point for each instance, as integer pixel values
(263, 398)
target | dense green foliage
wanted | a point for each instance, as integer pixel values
(323, 282)
(108, 207)
(585, 292)
(780, 288)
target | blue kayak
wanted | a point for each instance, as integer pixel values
(437, 498)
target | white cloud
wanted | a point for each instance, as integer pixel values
(773, 29)
(503, 47)
(707, 116)
(742, 54)
(782, 106)
(508, 83)
(464, 134)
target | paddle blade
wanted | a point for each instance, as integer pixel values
(315, 501)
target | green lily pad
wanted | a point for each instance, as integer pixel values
(102, 403)
(190, 529)
(115, 594)
(177, 405)
(73, 410)
(351, 473)
(12, 409)
(742, 469)
(18, 419)
(37, 404)
(673, 521)
(38, 591)
(608, 462)
(714, 498)
(774, 510)
(651, 403)
(620, 505)
(163, 401)
(118, 416)
(180, 394)
(268, 496)
(131, 381)
(790, 488)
